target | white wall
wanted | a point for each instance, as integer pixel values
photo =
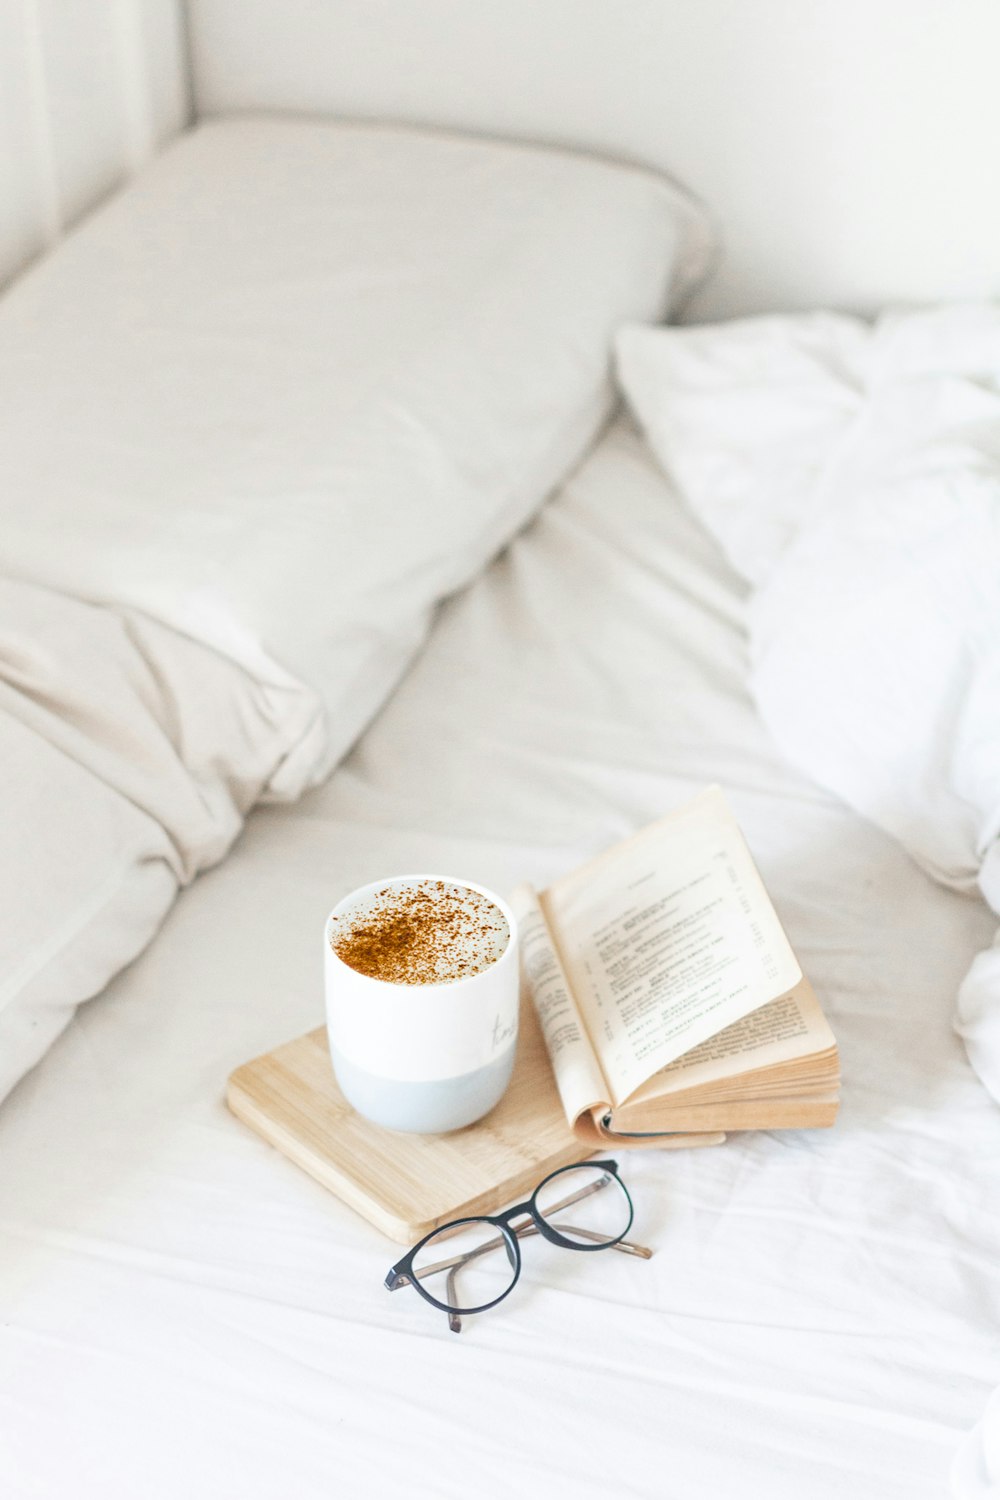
(88, 88)
(851, 148)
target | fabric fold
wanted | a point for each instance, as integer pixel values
(852, 473)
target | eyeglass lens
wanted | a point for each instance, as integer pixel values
(585, 1205)
(466, 1266)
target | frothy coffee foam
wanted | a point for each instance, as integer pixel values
(421, 932)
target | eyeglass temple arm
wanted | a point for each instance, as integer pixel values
(627, 1247)
(454, 1318)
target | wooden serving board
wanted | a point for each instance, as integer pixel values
(408, 1184)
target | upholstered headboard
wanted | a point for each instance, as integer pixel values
(849, 147)
(87, 92)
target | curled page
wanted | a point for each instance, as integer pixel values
(579, 1079)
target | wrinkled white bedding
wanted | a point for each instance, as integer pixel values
(185, 1313)
(131, 755)
(852, 472)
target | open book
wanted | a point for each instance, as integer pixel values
(670, 1000)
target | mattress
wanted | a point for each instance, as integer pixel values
(185, 1313)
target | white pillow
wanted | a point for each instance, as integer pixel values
(303, 378)
(259, 414)
(743, 415)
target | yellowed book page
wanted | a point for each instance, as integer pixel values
(788, 1028)
(579, 1079)
(666, 939)
(723, 1093)
(749, 1114)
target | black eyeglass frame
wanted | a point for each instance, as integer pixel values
(403, 1274)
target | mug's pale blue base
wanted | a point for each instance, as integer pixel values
(424, 1108)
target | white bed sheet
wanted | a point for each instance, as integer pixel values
(183, 1313)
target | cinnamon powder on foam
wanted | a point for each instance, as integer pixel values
(431, 933)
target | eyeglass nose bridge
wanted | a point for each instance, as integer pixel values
(534, 1224)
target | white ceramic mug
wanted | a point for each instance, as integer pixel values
(422, 1057)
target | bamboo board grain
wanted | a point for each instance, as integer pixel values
(407, 1184)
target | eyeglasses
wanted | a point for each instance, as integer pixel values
(480, 1258)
